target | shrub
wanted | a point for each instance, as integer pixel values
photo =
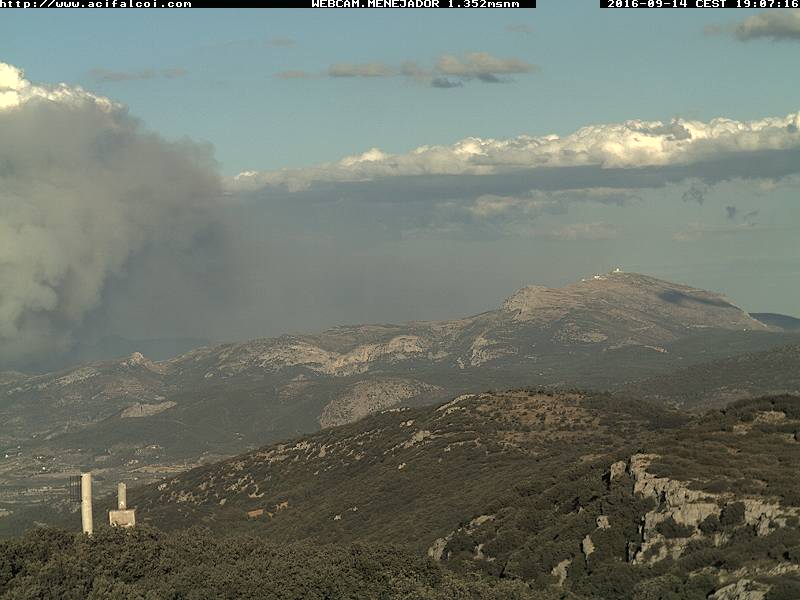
(732, 514)
(670, 528)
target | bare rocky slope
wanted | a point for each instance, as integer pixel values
(141, 419)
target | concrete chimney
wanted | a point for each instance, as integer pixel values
(122, 496)
(123, 516)
(86, 503)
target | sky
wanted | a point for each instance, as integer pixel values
(229, 174)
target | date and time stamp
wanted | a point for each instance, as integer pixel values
(700, 4)
(398, 4)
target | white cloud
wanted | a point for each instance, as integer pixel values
(15, 91)
(627, 145)
(772, 24)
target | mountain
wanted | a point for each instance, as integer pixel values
(112, 347)
(140, 419)
(779, 321)
(579, 495)
(719, 382)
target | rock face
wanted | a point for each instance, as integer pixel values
(560, 571)
(587, 547)
(744, 589)
(675, 502)
(367, 397)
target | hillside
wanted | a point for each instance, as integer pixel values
(586, 496)
(716, 383)
(573, 495)
(141, 420)
(779, 321)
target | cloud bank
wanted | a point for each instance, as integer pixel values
(775, 25)
(84, 189)
(648, 152)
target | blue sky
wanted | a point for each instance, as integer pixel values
(323, 229)
(596, 66)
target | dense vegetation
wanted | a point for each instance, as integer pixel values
(146, 564)
(719, 382)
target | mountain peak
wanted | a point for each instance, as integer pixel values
(647, 302)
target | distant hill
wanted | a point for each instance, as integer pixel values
(142, 419)
(720, 382)
(580, 496)
(779, 321)
(116, 347)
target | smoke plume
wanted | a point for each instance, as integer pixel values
(84, 190)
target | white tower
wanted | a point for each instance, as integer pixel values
(123, 516)
(86, 503)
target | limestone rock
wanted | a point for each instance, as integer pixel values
(560, 571)
(744, 589)
(617, 470)
(587, 546)
(367, 397)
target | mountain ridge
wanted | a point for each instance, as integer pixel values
(139, 419)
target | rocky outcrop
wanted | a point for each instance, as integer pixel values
(744, 589)
(139, 410)
(688, 508)
(560, 571)
(617, 470)
(437, 550)
(370, 396)
(587, 547)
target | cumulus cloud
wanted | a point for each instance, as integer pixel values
(84, 189)
(640, 153)
(776, 25)
(107, 75)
